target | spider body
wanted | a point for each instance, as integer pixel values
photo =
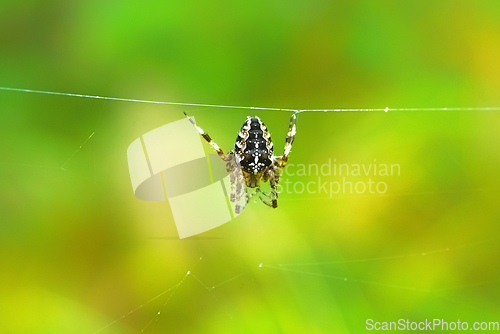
(252, 161)
(254, 150)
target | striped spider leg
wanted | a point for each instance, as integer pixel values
(279, 162)
(207, 138)
(237, 183)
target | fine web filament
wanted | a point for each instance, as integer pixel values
(387, 109)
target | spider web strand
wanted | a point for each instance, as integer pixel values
(246, 107)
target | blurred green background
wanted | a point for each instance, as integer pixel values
(78, 250)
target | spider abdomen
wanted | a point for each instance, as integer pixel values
(254, 147)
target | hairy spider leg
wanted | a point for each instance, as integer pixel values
(236, 177)
(271, 198)
(207, 138)
(273, 173)
(292, 129)
(239, 190)
(237, 183)
(232, 179)
(274, 193)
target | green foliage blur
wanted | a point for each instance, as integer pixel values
(78, 250)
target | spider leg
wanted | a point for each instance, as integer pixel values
(270, 199)
(281, 161)
(240, 190)
(232, 178)
(235, 194)
(274, 192)
(237, 182)
(207, 138)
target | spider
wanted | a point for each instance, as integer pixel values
(252, 161)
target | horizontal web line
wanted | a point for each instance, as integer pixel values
(244, 107)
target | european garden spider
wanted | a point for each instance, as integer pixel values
(252, 161)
